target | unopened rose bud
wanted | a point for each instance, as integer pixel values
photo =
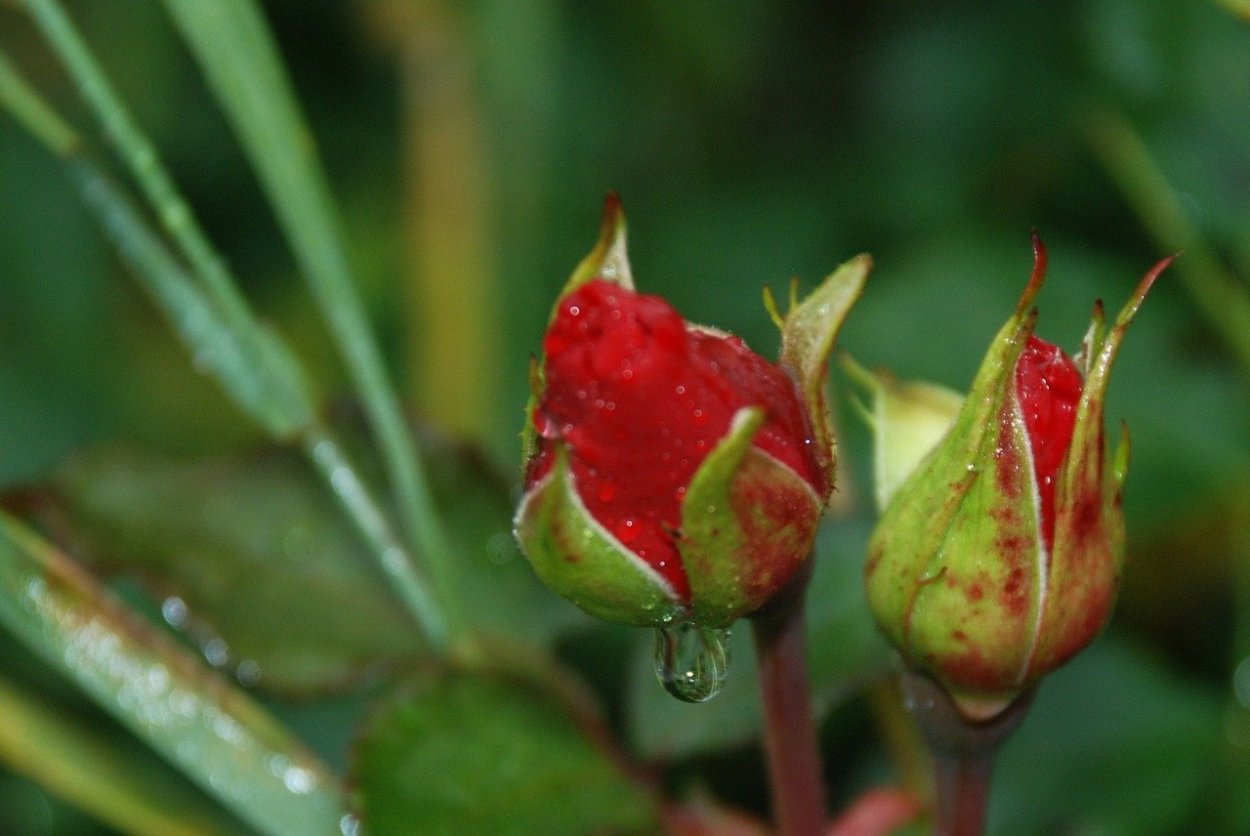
(998, 557)
(673, 474)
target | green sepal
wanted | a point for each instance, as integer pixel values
(609, 260)
(748, 522)
(579, 559)
(1088, 554)
(807, 336)
(935, 584)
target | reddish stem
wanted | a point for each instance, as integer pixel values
(794, 770)
(962, 785)
(963, 752)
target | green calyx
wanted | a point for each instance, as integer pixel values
(808, 332)
(579, 559)
(748, 522)
(747, 526)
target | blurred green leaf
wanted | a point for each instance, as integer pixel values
(252, 555)
(215, 734)
(102, 771)
(1115, 743)
(844, 651)
(463, 755)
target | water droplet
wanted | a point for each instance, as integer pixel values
(248, 672)
(299, 780)
(627, 531)
(174, 611)
(691, 662)
(349, 825)
(501, 548)
(216, 652)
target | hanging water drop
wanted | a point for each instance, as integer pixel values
(691, 662)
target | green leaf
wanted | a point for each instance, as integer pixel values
(213, 733)
(255, 556)
(251, 555)
(464, 755)
(107, 773)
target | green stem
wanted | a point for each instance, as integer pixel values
(794, 770)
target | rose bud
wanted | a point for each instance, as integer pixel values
(672, 474)
(999, 550)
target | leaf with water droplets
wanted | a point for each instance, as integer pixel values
(250, 555)
(465, 754)
(215, 734)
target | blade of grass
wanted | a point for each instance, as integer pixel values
(232, 42)
(1220, 296)
(214, 733)
(251, 362)
(140, 156)
(108, 775)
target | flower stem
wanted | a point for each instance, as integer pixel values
(963, 751)
(795, 779)
(962, 786)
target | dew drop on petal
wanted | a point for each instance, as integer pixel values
(691, 662)
(627, 531)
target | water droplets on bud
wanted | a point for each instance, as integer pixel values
(627, 531)
(691, 662)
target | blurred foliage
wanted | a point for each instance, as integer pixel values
(751, 142)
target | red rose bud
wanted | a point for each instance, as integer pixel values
(999, 550)
(672, 474)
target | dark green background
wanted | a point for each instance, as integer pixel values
(751, 141)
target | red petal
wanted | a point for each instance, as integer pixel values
(640, 399)
(1048, 386)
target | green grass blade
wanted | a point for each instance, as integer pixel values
(33, 113)
(254, 367)
(1223, 299)
(251, 362)
(232, 43)
(214, 733)
(107, 774)
(140, 156)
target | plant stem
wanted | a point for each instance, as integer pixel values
(962, 786)
(963, 751)
(794, 770)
